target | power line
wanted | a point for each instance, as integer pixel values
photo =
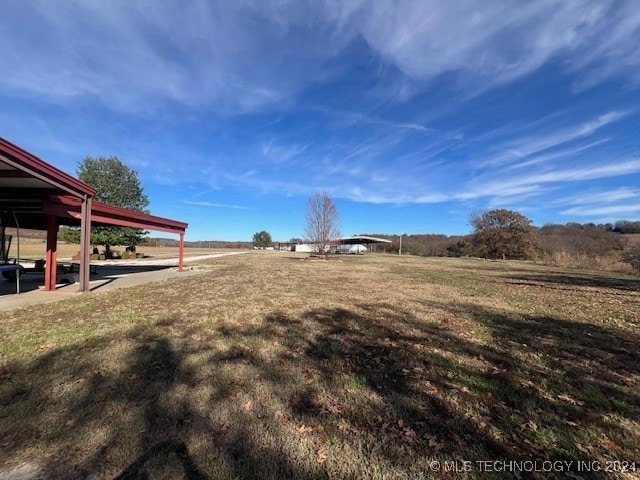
(600, 164)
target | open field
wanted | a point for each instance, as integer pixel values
(371, 366)
(34, 249)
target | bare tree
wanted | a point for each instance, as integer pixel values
(322, 221)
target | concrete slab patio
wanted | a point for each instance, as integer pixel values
(112, 275)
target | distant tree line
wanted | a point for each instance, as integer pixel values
(625, 226)
(498, 234)
(170, 242)
(504, 232)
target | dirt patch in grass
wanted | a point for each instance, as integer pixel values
(367, 367)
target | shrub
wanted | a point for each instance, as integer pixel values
(576, 239)
(503, 232)
(632, 257)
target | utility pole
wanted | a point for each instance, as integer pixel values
(400, 250)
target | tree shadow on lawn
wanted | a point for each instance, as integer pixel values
(473, 264)
(527, 393)
(332, 393)
(627, 285)
(79, 416)
(553, 277)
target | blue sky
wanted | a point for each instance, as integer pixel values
(411, 114)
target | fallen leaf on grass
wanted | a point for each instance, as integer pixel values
(332, 408)
(344, 427)
(8, 440)
(321, 456)
(570, 399)
(532, 425)
(283, 419)
(408, 436)
(305, 429)
(609, 444)
(581, 448)
(433, 443)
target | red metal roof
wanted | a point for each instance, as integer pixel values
(26, 162)
(34, 188)
(101, 213)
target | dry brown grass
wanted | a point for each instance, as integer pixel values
(358, 367)
(34, 249)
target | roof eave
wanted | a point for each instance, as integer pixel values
(27, 162)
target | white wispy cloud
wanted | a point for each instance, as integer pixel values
(612, 211)
(521, 148)
(603, 204)
(485, 40)
(281, 153)
(380, 169)
(355, 117)
(214, 205)
(199, 54)
(243, 56)
(497, 184)
(374, 196)
(215, 58)
(601, 196)
(564, 153)
(627, 167)
(499, 189)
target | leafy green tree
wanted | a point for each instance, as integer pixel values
(262, 239)
(115, 184)
(505, 233)
(69, 235)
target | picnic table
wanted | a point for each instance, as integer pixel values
(9, 270)
(75, 266)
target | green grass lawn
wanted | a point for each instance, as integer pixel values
(376, 366)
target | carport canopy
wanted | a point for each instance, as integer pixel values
(361, 239)
(36, 195)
